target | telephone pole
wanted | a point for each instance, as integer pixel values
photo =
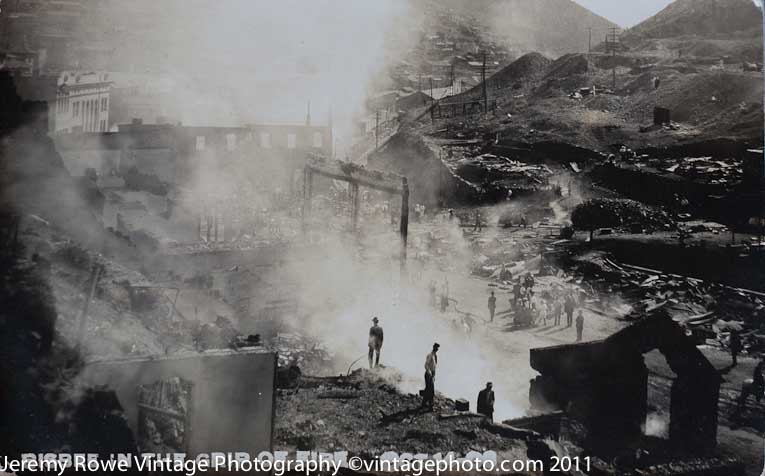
(483, 82)
(451, 75)
(589, 41)
(377, 129)
(613, 42)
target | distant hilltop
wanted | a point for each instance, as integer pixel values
(552, 27)
(712, 19)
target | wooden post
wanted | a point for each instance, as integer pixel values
(215, 223)
(404, 224)
(95, 274)
(207, 224)
(377, 129)
(307, 193)
(355, 205)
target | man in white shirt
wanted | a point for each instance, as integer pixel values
(431, 361)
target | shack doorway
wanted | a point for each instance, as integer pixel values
(660, 378)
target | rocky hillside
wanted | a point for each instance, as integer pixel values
(528, 69)
(551, 27)
(718, 19)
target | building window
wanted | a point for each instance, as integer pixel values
(318, 140)
(291, 141)
(103, 125)
(230, 142)
(200, 142)
(265, 140)
(76, 111)
(104, 103)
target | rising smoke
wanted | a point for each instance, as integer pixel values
(234, 62)
(339, 294)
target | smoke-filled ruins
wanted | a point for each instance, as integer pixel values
(408, 226)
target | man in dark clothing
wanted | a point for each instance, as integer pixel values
(528, 281)
(568, 306)
(579, 326)
(735, 345)
(375, 342)
(516, 293)
(557, 311)
(431, 361)
(755, 386)
(485, 405)
(492, 306)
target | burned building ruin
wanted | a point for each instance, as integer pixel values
(218, 400)
(604, 385)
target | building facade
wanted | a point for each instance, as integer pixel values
(82, 103)
(169, 152)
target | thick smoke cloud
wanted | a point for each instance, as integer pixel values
(237, 61)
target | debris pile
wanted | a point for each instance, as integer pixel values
(364, 414)
(706, 169)
(276, 231)
(309, 355)
(619, 213)
(511, 173)
(709, 310)
(503, 264)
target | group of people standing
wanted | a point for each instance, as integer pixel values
(550, 305)
(553, 307)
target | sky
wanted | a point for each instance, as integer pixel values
(625, 14)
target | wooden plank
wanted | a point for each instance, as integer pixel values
(168, 413)
(350, 172)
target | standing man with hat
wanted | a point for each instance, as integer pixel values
(375, 342)
(485, 404)
(431, 361)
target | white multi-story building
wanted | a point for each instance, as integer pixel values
(82, 103)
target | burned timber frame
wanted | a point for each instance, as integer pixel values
(357, 176)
